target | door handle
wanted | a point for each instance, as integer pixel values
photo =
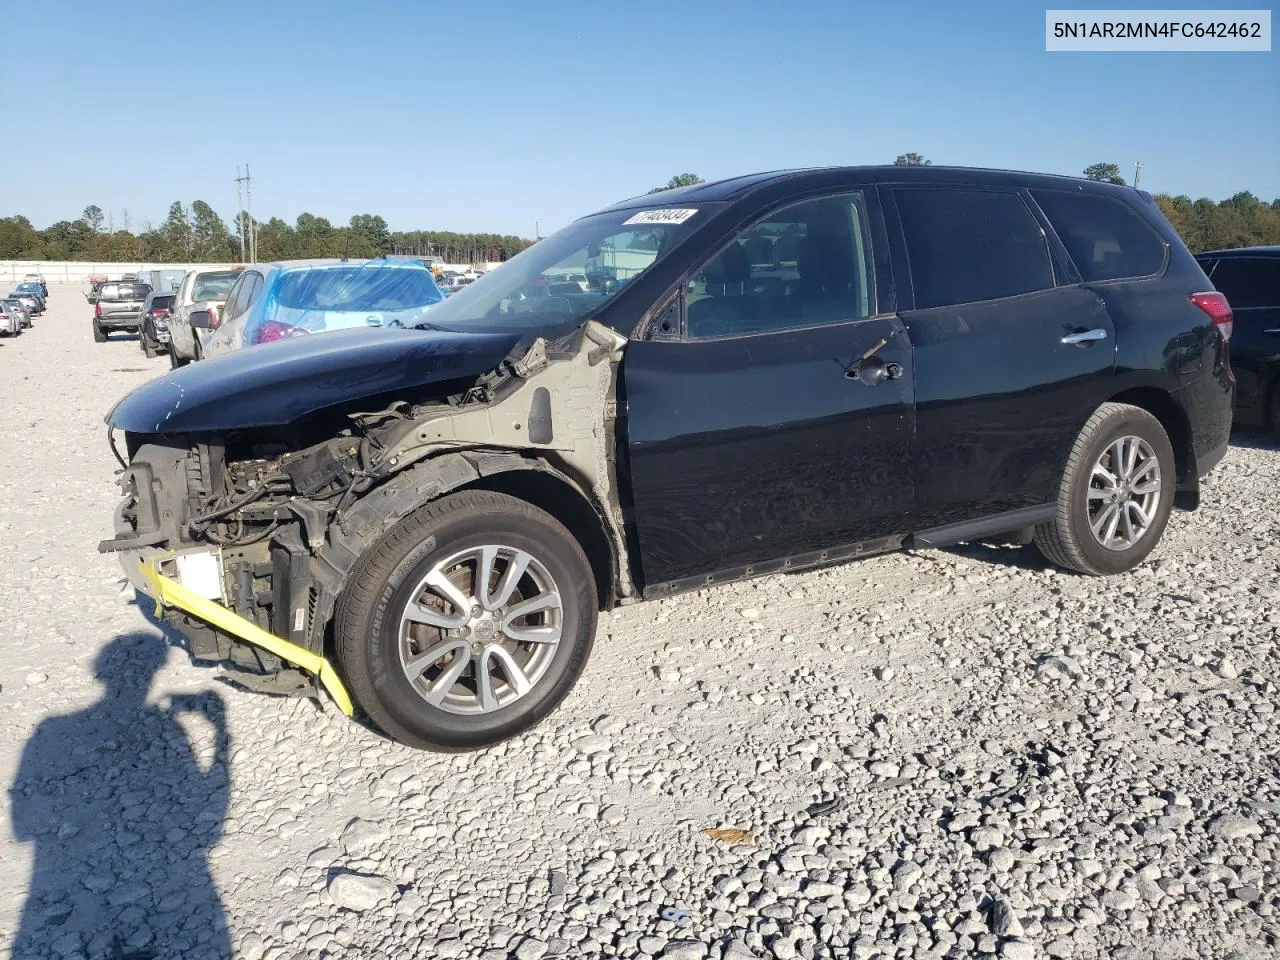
(1272, 330)
(1085, 336)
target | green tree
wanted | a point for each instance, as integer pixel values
(176, 235)
(276, 241)
(1106, 172)
(369, 235)
(211, 240)
(93, 217)
(315, 235)
(680, 180)
(19, 240)
(911, 160)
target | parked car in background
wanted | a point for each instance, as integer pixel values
(96, 280)
(119, 307)
(1249, 277)
(163, 281)
(200, 290)
(13, 303)
(153, 333)
(455, 283)
(39, 281)
(31, 301)
(10, 320)
(34, 290)
(785, 370)
(293, 298)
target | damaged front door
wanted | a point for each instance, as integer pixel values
(782, 423)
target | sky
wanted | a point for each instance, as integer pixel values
(500, 115)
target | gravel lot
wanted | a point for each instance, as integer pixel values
(950, 753)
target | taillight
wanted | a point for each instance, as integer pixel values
(274, 330)
(97, 310)
(1218, 309)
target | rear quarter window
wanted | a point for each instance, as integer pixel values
(1106, 238)
(968, 245)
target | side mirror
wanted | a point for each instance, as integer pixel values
(201, 319)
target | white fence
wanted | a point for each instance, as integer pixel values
(73, 271)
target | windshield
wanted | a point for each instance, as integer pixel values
(565, 276)
(376, 294)
(213, 286)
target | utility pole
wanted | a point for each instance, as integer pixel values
(1137, 172)
(246, 218)
(240, 212)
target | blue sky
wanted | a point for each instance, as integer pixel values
(436, 117)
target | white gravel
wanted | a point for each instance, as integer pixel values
(946, 754)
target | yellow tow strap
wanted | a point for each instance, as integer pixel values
(169, 592)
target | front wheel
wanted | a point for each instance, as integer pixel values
(1115, 496)
(148, 345)
(467, 623)
(176, 361)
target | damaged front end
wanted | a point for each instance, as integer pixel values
(246, 537)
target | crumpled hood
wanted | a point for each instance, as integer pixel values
(276, 383)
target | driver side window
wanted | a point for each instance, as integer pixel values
(804, 265)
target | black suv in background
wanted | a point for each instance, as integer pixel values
(763, 374)
(1249, 277)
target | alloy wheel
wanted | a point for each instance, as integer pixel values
(480, 629)
(1124, 492)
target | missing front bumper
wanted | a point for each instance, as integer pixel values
(166, 591)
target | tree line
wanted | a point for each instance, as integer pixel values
(196, 234)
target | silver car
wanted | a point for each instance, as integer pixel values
(200, 290)
(10, 321)
(14, 304)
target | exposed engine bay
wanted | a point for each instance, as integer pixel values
(270, 522)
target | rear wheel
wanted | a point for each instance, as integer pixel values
(99, 334)
(467, 623)
(1115, 496)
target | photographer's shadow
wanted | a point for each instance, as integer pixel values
(122, 815)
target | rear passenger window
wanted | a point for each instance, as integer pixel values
(970, 245)
(1106, 238)
(1248, 283)
(802, 266)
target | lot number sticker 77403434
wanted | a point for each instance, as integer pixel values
(666, 215)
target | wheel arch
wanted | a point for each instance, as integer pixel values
(1177, 425)
(531, 479)
(550, 490)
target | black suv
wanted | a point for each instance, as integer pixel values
(1249, 277)
(763, 374)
